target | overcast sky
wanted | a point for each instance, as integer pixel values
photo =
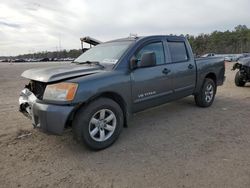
(30, 26)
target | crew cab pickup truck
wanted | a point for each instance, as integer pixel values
(98, 92)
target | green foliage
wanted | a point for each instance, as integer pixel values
(228, 42)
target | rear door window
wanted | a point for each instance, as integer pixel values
(178, 51)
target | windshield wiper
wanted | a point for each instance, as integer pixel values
(89, 63)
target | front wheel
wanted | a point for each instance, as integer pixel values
(206, 95)
(98, 124)
(239, 81)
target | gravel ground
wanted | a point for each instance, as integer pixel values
(174, 145)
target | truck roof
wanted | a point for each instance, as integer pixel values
(137, 38)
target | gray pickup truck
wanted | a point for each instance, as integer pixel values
(98, 92)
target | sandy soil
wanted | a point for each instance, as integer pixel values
(174, 145)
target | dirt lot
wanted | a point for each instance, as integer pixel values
(175, 145)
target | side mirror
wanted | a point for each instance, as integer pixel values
(133, 63)
(148, 59)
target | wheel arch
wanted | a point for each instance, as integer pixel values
(111, 95)
(212, 76)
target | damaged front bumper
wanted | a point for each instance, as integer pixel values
(48, 117)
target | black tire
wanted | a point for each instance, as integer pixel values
(201, 97)
(239, 81)
(82, 124)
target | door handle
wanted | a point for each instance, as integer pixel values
(166, 71)
(190, 66)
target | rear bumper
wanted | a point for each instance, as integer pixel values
(47, 117)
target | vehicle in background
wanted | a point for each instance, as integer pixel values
(239, 56)
(231, 58)
(88, 40)
(97, 93)
(208, 55)
(243, 74)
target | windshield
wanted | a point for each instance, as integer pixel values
(106, 53)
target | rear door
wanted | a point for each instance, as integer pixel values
(184, 68)
(151, 85)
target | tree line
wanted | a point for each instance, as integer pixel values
(74, 53)
(227, 42)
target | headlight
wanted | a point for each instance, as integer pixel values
(60, 92)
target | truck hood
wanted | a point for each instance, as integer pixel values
(56, 73)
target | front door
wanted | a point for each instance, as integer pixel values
(151, 85)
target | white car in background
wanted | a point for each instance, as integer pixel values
(208, 55)
(233, 57)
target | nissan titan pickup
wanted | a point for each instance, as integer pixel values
(97, 94)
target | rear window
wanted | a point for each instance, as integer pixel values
(178, 51)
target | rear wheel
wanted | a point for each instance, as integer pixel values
(99, 124)
(206, 95)
(239, 81)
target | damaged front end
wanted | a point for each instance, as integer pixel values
(26, 101)
(236, 66)
(243, 74)
(244, 68)
(50, 118)
(28, 96)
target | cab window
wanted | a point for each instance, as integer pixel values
(157, 48)
(178, 51)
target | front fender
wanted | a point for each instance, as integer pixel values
(95, 85)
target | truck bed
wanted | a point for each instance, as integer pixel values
(215, 65)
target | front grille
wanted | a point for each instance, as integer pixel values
(37, 88)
